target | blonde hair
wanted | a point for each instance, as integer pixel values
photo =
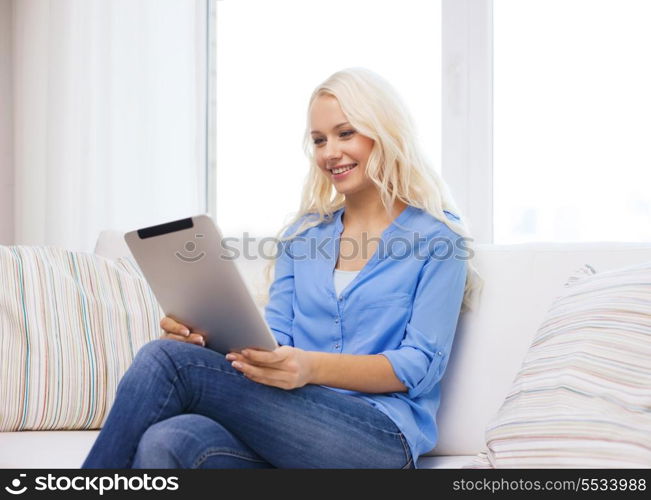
(396, 165)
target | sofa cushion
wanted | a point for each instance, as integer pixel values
(45, 449)
(583, 393)
(68, 449)
(70, 325)
(444, 461)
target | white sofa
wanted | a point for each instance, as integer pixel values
(520, 284)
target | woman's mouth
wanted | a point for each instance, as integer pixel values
(338, 173)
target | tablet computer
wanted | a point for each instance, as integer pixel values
(197, 283)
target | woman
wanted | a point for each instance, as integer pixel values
(369, 281)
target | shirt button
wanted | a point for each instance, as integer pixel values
(336, 346)
(341, 299)
(337, 320)
(440, 353)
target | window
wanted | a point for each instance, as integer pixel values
(545, 108)
(269, 58)
(571, 120)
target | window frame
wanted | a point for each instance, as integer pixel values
(467, 110)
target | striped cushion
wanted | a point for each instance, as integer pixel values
(70, 324)
(582, 397)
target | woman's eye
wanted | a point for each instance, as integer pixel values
(347, 133)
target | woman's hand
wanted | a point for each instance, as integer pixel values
(285, 367)
(177, 331)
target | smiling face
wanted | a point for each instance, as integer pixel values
(338, 147)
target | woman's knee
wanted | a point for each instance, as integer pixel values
(154, 348)
(160, 350)
(183, 441)
(165, 443)
(153, 358)
(167, 357)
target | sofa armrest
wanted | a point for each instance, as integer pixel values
(111, 245)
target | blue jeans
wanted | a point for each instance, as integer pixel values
(184, 406)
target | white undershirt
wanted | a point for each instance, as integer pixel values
(342, 278)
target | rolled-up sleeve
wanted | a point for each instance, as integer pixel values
(279, 311)
(420, 360)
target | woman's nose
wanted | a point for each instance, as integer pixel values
(332, 151)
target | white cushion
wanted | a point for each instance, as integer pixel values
(445, 462)
(68, 450)
(45, 449)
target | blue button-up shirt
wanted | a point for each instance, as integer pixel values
(403, 304)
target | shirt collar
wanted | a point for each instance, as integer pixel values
(403, 217)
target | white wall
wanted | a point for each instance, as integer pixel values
(6, 125)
